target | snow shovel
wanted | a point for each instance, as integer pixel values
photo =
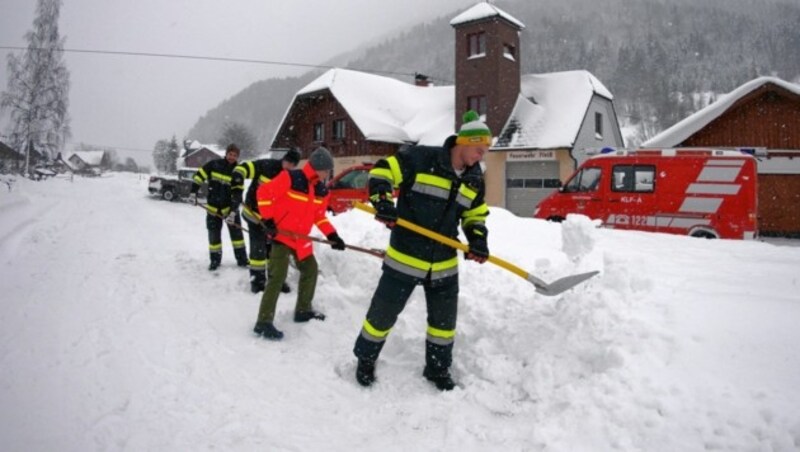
(372, 251)
(551, 289)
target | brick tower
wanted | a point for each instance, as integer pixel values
(487, 63)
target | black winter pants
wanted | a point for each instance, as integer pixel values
(214, 226)
(259, 251)
(388, 302)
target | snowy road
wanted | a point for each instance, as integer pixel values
(114, 336)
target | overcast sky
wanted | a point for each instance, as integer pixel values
(131, 101)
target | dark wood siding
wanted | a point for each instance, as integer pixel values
(768, 117)
(200, 158)
(781, 194)
(322, 107)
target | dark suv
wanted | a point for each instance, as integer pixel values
(172, 188)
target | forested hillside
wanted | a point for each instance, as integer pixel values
(662, 59)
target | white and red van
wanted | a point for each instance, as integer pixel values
(697, 192)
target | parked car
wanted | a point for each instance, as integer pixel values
(174, 188)
(348, 186)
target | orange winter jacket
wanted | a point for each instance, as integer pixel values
(296, 200)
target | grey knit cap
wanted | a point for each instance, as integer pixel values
(321, 159)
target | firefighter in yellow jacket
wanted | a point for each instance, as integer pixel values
(440, 188)
(218, 173)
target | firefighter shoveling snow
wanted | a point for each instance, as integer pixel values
(114, 336)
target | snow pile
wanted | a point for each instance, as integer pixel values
(578, 236)
(114, 336)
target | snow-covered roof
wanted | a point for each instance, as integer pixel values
(91, 158)
(484, 10)
(211, 147)
(690, 125)
(385, 109)
(193, 145)
(550, 110)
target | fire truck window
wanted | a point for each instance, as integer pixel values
(630, 178)
(587, 179)
(623, 178)
(644, 178)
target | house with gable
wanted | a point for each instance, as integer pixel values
(360, 116)
(542, 122)
(88, 163)
(196, 154)
(760, 116)
(10, 160)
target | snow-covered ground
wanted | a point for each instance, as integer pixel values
(114, 336)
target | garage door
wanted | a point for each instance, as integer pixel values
(527, 183)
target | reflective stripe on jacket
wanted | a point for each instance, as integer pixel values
(433, 196)
(296, 200)
(260, 172)
(218, 174)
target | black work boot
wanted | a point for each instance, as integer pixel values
(440, 378)
(257, 282)
(215, 258)
(300, 317)
(365, 372)
(256, 287)
(268, 331)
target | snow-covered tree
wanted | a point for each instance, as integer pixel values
(37, 96)
(165, 155)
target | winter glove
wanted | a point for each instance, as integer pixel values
(478, 246)
(338, 243)
(192, 198)
(386, 212)
(270, 228)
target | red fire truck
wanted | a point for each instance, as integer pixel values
(697, 192)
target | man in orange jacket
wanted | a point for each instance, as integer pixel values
(291, 203)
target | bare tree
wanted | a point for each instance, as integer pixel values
(238, 133)
(130, 165)
(37, 96)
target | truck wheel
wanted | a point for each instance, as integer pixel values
(168, 194)
(703, 234)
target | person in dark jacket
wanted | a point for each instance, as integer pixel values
(290, 204)
(259, 171)
(218, 173)
(439, 188)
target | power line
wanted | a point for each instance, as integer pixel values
(210, 58)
